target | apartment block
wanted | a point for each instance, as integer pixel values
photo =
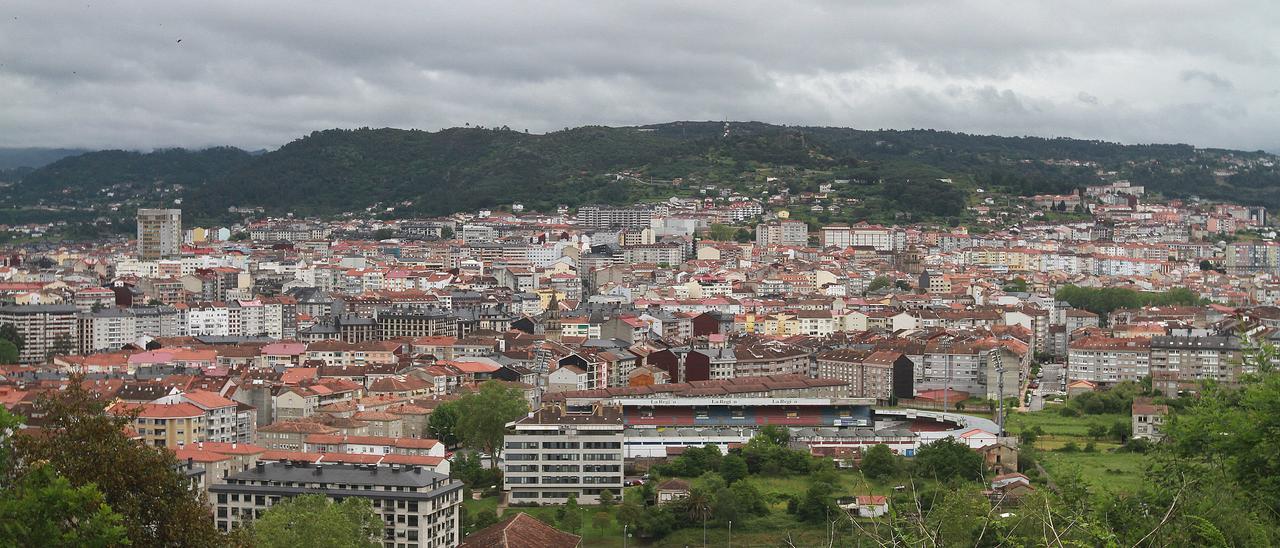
(555, 453)
(44, 328)
(1179, 363)
(1108, 360)
(420, 508)
(159, 233)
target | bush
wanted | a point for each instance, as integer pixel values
(1135, 445)
(1070, 447)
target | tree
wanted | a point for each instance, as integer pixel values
(1232, 430)
(725, 506)
(1121, 430)
(62, 346)
(443, 423)
(483, 518)
(600, 521)
(8, 352)
(733, 468)
(879, 462)
(1205, 264)
(483, 417)
(948, 459)
(629, 514)
(383, 234)
(142, 483)
(777, 435)
(606, 498)
(570, 515)
(44, 509)
(446, 233)
(9, 332)
(315, 520)
(1097, 431)
(749, 498)
(1029, 436)
(818, 504)
(880, 282)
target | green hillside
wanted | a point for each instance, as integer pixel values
(893, 175)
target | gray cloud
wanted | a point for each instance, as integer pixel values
(1210, 78)
(256, 74)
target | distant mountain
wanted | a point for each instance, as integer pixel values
(893, 175)
(14, 158)
(108, 175)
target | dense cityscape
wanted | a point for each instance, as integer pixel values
(287, 356)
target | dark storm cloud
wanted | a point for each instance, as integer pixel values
(257, 74)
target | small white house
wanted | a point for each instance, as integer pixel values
(978, 438)
(872, 506)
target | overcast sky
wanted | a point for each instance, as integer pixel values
(258, 74)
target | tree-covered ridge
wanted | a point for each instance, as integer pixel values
(88, 176)
(907, 175)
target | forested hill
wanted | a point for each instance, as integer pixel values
(922, 173)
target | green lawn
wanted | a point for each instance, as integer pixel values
(1058, 426)
(474, 506)
(1103, 471)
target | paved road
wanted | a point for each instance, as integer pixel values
(1053, 376)
(1051, 381)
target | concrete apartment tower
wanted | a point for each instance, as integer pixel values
(159, 233)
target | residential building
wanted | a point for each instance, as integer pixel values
(555, 453)
(45, 329)
(159, 233)
(420, 508)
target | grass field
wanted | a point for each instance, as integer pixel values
(1058, 426)
(1103, 471)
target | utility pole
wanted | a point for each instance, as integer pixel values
(999, 359)
(946, 363)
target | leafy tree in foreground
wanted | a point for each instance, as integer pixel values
(314, 520)
(43, 509)
(483, 417)
(141, 483)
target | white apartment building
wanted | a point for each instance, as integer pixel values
(554, 453)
